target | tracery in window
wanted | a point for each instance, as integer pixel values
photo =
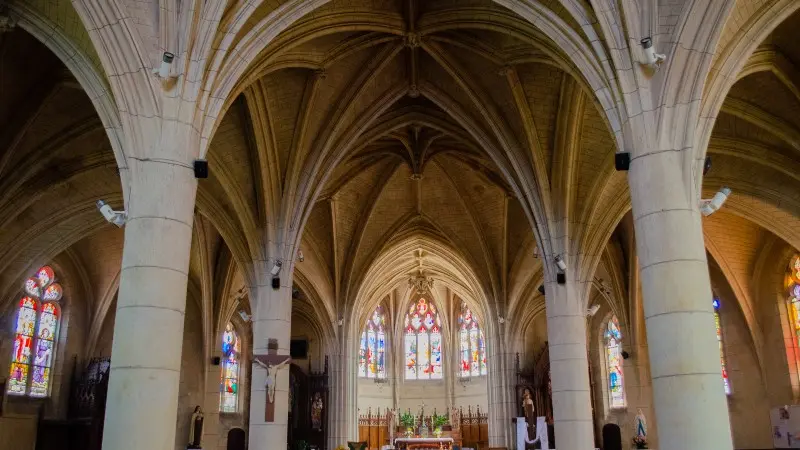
(35, 335)
(616, 386)
(423, 342)
(230, 371)
(472, 344)
(372, 352)
(718, 326)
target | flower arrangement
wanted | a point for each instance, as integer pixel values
(407, 420)
(640, 442)
(438, 421)
(341, 447)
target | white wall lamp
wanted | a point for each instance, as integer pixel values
(118, 218)
(712, 205)
(652, 60)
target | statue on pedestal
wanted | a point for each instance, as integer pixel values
(196, 428)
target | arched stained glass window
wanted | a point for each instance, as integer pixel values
(472, 344)
(718, 326)
(423, 342)
(35, 335)
(229, 400)
(372, 352)
(616, 386)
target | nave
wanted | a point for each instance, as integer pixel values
(399, 222)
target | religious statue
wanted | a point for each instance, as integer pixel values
(527, 406)
(316, 412)
(641, 425)
(195, 428)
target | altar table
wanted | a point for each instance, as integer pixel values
(442, 443)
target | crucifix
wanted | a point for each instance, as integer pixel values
(272, 362)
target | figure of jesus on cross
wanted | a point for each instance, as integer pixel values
(272, 363)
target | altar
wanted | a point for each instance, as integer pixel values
(403, 443)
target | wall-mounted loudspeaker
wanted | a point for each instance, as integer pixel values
(622, 160)
(215, 361)
(200, 168)
(625, 355)
(561, 278)
(276, 282)
(541, 289)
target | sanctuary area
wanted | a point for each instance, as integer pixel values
(399, 224)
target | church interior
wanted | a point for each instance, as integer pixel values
(392, 224)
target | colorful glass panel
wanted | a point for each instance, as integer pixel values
(372, 351)
(718, 325)
(472, 346)
(35, 336)
(614, 364)
(229, 397)
(423, 342)
(793, 285)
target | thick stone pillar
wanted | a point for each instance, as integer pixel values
(691, 408)
(148, 331)
(211, 424)
(569, 367)
(272, 313)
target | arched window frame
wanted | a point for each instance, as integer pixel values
(722, 361)
(472, 344)
(231, 367)
(372, 348)
(37, 327)
(613, 358)
(422, 342)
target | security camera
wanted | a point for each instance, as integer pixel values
(118, 218)
(276, 268)
(562, 266)
(593, 310)
(244, 316)
(652, 58)
(166, 62)
(709, 207)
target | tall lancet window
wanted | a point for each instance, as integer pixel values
(36, 330)
(423, 342)
(793, 284)
(616, 386)
(229, 398)
(472, 344)
(372, 352)
(723, 365)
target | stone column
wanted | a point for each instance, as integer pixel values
(690, 403)
(271, 320)
(148, 331)
(569, 368)
(211, 425)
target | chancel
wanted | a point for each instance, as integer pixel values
(390, 224)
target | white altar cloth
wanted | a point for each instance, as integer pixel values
(403, 442)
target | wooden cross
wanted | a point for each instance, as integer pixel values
(272, 362)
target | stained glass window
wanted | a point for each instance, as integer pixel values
(718, 325)
(35, 335)
(423, 342)
(471, 343)
(616, 387)
(229, 399)
(372, 352)
(793, 286)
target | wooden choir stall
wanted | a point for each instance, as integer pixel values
(465, 428)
